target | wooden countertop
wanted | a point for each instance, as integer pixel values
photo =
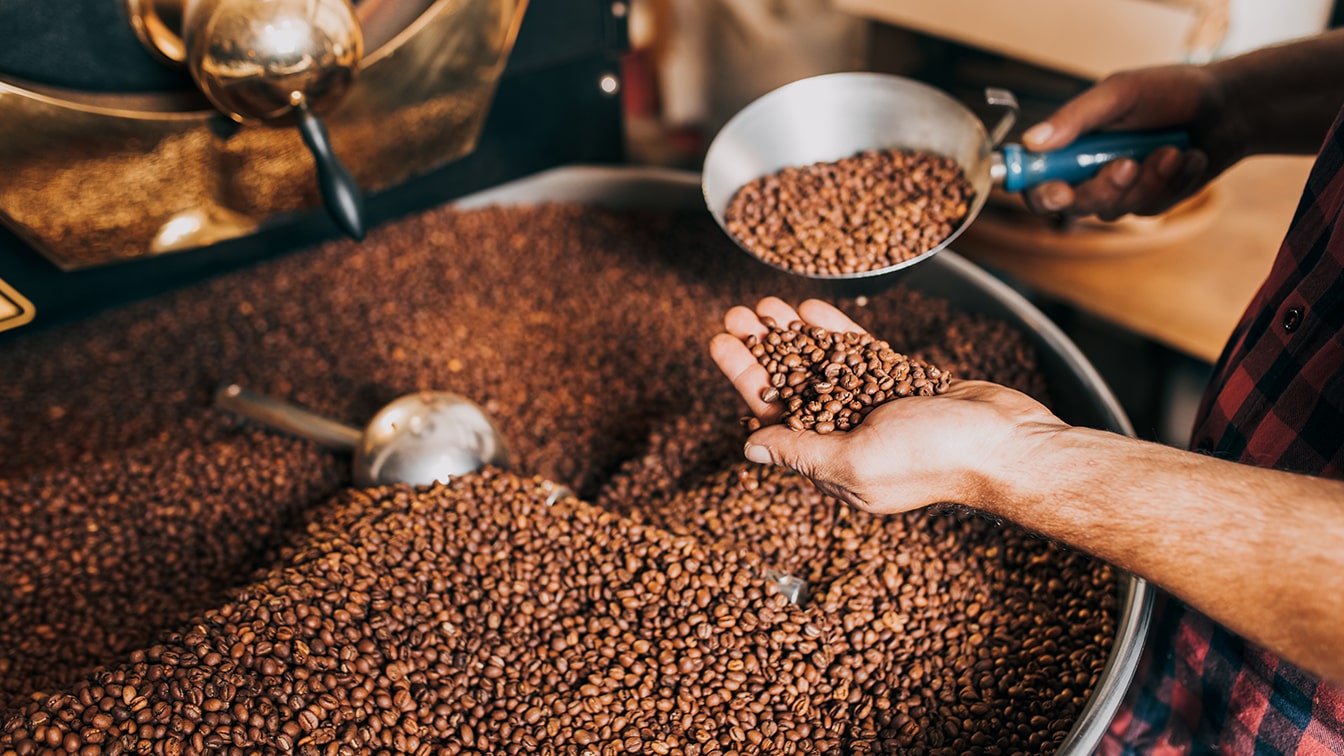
(1182, 280)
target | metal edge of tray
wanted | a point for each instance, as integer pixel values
(1081, 396)
(1062, 361)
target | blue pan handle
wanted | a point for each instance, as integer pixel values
(1081, 160)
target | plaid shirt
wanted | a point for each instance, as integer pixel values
(1276, 400)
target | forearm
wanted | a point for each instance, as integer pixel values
(1285, 97)
(1260, 551)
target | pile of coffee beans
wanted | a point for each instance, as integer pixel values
(476, 618)
(861, 568)
(829, 381)
(181, 579)
(469, 619)
(862, 213)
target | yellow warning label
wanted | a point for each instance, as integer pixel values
(14, 309)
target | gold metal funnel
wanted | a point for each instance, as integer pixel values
(92, 179)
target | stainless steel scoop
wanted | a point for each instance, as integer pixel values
(826, 118)
(418, 439)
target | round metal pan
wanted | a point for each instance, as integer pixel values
(826, 118)
(1079, 395)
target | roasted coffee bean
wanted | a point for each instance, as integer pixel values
(857, 214)
(817, 360)
(177, 579)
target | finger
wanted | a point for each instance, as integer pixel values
(743, 322)
(1193, 174)
(778, 310)
(826, 315)
(1102, 194)
(747, 375)
(1094, 109)
(813, 455)
(1050, 197)
(805, 452)
(1158, 185)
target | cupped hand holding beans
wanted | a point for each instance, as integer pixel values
(959, 446)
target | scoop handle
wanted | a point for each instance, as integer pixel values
(341, 193)
(283, 416)
(1082, 159)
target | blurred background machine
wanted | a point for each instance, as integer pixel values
(126, 167)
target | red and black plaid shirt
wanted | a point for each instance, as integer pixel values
(1276, 400)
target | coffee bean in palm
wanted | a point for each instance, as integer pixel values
(829, 381)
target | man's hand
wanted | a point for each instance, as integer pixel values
(1168, 97)
(960, 447)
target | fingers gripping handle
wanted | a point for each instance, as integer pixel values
(1082, 159)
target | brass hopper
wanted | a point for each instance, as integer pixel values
(96, 178)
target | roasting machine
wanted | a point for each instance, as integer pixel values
(145, 143)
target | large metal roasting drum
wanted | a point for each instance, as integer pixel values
(1080, 396)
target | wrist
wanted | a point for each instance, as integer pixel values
(1038, 460)
(1279, 99)
(1230, 86)
(1070, 480)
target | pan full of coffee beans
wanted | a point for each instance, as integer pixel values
(856, 176)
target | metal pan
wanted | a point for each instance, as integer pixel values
(826, 118)
(1079, 394)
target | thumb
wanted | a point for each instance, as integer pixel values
(1092, 110)
(801, 451)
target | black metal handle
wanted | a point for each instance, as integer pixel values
(343, 197)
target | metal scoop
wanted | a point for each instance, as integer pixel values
(834, 116)
(418, 439)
